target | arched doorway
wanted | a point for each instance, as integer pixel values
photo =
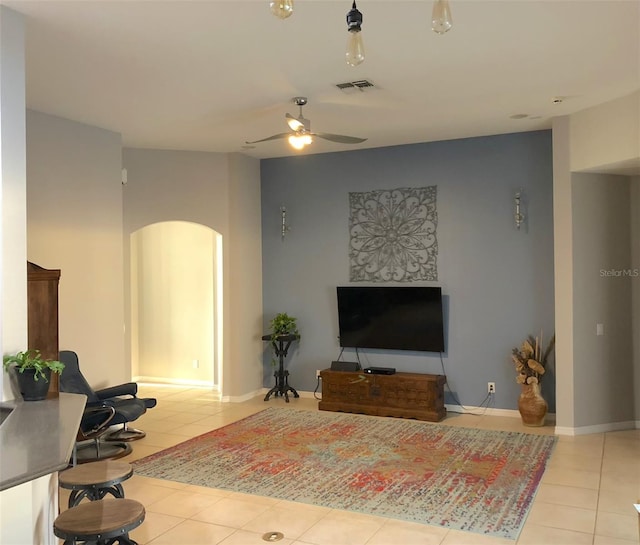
(176, 304)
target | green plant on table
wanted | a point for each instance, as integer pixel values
(282, 324)
(31, 359)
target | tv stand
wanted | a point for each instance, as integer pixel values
(405, 395)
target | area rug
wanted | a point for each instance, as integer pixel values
(467, 479)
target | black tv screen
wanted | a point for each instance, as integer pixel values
(393, 318)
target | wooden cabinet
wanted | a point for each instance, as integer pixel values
(42, 313)
(406, 395)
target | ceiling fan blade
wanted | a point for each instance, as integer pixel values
(340, 138)
(274, 137)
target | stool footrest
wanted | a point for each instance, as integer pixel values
(95, 493)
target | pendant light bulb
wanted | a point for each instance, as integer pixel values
(281, 8)
(355, 49)
(441, 21)
(355, 46)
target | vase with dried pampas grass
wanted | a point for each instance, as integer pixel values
(531, 361)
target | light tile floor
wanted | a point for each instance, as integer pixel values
(585, 496)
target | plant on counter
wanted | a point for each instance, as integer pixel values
(33, 361)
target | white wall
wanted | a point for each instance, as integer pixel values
(13, 187)
(27, 511)
(220, 192)
(246, 275)
(74, 202)
(563, 274)
(604, 139)
(173, 301)
(603, 365)
(606, 136)
(635, 288)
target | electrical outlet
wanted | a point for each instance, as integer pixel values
(195, 364)
(318, 373)
(491, 387)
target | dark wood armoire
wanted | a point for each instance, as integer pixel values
(42, 313)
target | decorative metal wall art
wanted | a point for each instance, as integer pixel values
(393, 235)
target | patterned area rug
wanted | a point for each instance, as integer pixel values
(468, 479)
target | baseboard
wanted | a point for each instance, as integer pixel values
(206, 385)
(482, 410)
(240, 398)
(598, 428)
(174, 382)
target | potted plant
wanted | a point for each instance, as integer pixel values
(32, 372)
(531, 361)
(281, 324)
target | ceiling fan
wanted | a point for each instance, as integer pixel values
(300, 134)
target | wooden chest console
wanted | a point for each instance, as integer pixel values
(406, 395)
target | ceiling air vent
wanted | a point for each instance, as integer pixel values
(360, 84)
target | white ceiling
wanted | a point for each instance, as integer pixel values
(209, 75)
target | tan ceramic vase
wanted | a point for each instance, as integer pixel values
(532, 406)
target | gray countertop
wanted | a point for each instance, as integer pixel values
(37, 437)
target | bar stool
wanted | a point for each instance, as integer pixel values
(95, 480)
(102, 522)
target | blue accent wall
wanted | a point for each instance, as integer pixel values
(497, 280)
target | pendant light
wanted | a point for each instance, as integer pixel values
(281, 8)
(441, 21)
(355, 47)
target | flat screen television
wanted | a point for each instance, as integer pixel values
(389, 317)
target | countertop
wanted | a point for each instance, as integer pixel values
(37, 438)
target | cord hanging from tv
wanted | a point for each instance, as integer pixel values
(391, 317)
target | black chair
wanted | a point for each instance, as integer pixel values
(122, 398)
(95, 423)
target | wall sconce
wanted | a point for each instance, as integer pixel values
(519, 216)
(284, 227)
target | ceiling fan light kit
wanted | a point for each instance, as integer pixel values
(298, 123)
(299, 141)
(301, 135)
(294, 124)
(300, 126)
